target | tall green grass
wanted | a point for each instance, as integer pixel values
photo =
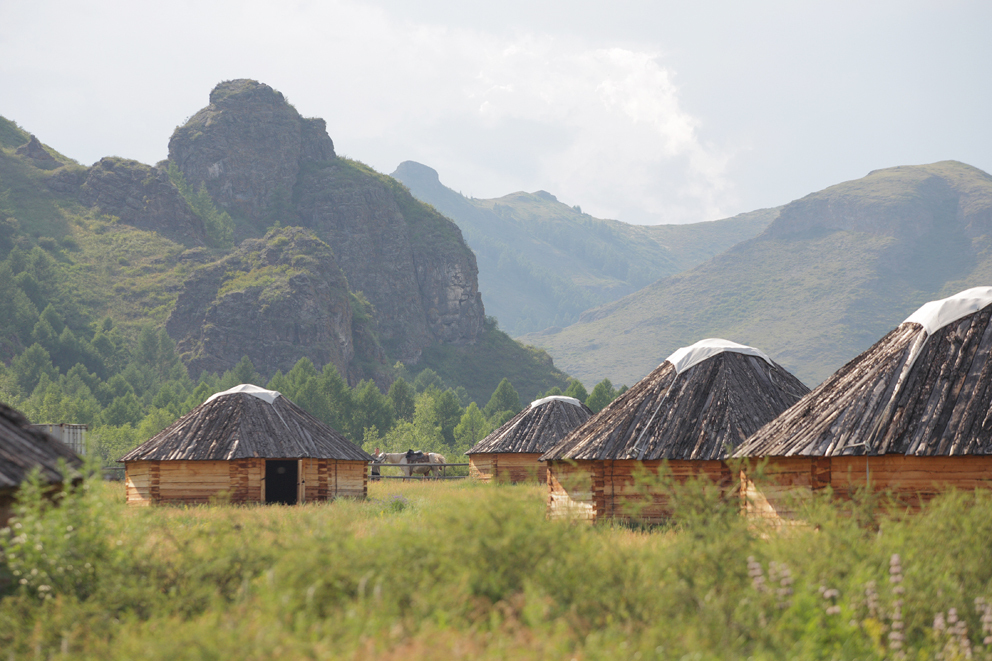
(429, 570)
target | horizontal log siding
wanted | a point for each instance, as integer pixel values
(624, 499)
(596, 490)
(779, 491)
(520, 467)
(347, 479)
(912, 480)
(482, 467)
(141, 481)
(311, 480)
(195, 482)
(7, 501)
(572, 489)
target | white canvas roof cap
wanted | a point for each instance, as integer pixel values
(267, 396)
(936, 314)
(686, 357)
(555, 398)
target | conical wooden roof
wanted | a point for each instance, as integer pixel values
(537, 428)
(924, 389)
(23, 448)
(699, 403)
(246, 422)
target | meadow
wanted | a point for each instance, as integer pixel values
(438, 570)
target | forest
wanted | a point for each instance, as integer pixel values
(79, 371)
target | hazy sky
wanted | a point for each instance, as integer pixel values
(645, 111)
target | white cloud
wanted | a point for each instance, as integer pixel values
(597, 125)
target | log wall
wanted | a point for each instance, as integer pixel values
(482, 467)
(347, 479)
(197, 482)
(511, 467)
(594, 490)
(7, 498)
(787, 481)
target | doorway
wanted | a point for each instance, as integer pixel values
(281, 478)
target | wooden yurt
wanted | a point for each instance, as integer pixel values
(511, 452)
(250, 444)
(697, 406)
(23, 449)
(911, 415)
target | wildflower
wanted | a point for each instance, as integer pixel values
(985, 609)
(755, 572)
(871, 599)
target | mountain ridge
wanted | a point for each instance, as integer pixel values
(542, 262)
(832, 273)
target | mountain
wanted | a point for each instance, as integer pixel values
(832, 273)
(333, 262)
(264, 163)
(542, 262)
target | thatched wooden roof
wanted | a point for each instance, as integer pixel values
(924, 389)
(246, 422)
(718, 399)
(23, 448)
(537, 428)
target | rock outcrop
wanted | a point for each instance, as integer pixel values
(248, 147)
(140, 195)
(275, 300)
(34, 150)
(263, 162)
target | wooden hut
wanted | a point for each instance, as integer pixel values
(511, 452)
(911, 415)
(23, 449)
(251, 444)
(698, 405)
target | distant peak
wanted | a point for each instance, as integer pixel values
(413, 168)
(245, 89)
(545, 195)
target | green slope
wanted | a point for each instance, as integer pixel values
(541, 262)
(90, 266)
(835, 271)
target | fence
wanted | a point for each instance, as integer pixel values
(443, 476)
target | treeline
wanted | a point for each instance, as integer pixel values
(57, 364)
(127, 394)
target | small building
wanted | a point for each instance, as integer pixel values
(511, 452)
(72, 435)
(253, 446)
(911, 415)
(23, 449)
(688, 415)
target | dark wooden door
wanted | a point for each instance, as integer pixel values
(281, 477)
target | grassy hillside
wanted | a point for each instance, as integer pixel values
(89, 267)
(833, 273)
(541, 262)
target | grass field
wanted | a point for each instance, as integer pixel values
(437, 570)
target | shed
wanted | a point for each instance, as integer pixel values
(252, 444)
(689, 413)
(511, 452)
(23, 449)
(912, 414)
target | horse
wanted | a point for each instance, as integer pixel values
(411, 462)
(436, 459)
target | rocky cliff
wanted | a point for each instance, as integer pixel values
(264, 163)
(275, 299)
(139, 195)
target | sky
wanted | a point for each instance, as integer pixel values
(644, 111)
